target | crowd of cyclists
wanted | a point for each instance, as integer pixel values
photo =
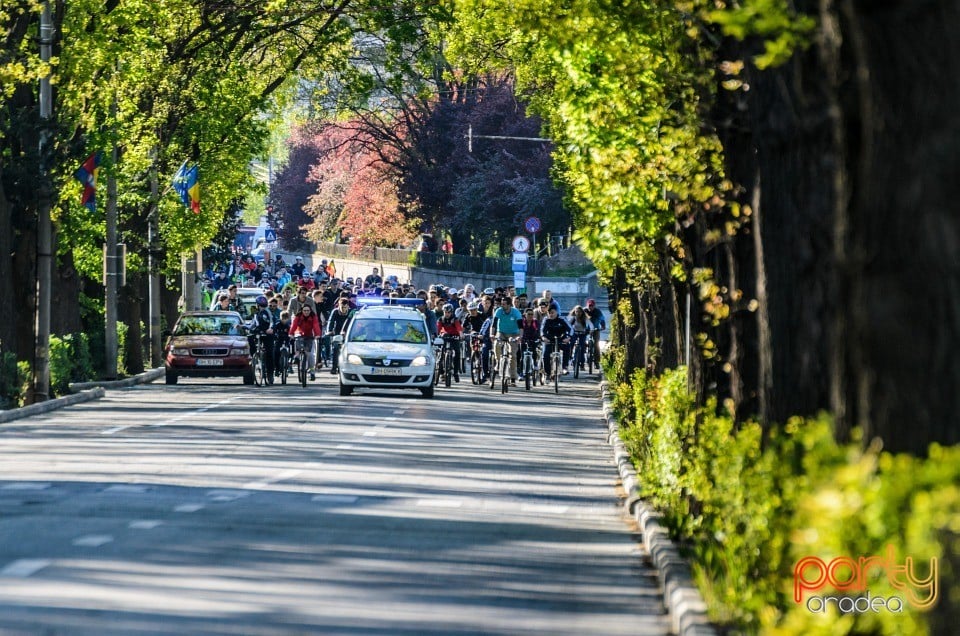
(317, 306)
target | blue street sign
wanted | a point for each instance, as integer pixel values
(270, 235)
(532, 224)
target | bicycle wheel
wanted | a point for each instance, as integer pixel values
(528, 369)
(283, 366)
(493, 370)
(557, 361)
(302, 363)
(504, 374)
(476, 370)
(448, 368)
(262, 368)
(576, 360)
(255, 366)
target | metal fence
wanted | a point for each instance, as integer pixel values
(430, 260)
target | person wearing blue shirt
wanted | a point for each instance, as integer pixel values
(506, 325)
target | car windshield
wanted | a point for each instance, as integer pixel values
(399, 330)
(207, 326)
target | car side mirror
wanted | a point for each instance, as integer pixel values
(438, 342)
(338, 339)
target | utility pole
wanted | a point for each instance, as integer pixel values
(110, 268)
(153, 277)
(41, 356)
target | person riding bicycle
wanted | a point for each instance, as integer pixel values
(261, 327)
(555, 328)
(449, 328)
(307, 326)
(336, 326)
(530, 334)
(281, 333)
(506, 326)
(597, 324)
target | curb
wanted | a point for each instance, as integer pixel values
(85, 391)
(140, 378)
(685, 605)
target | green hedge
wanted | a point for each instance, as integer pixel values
(14, 381)
(748, 505)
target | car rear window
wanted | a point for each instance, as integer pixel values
(207, 326)
(399, 330)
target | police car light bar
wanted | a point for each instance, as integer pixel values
(376, 301)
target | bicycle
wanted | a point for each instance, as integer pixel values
(577, 354)
(530, 365)
(303, 360)
(283, 360)
(446, 358)
(476, 359)
(556, 365)
(503, 353)
(259, 363)
(589, 345)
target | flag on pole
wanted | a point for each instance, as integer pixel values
(187, 184)
(87, 175)
(331, 269)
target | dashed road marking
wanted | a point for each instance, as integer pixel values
(370, 434)
(188, 508)
(335, 499)
(125, 488)
(440, 503)
(26, 485)
(117, 429)
(544, 509)
(227, 495)
(144, 524)
(93, 540)
(22, 568)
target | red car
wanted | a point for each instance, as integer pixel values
(208, 344)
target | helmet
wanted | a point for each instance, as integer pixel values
(448, 307)
(261, 301)
(473, 305)
(489, 291)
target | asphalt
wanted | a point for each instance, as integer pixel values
(684, 603)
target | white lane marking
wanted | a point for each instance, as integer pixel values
(227, 495)
(263, 483)
(440, 503)
(25, 485)
(544, 509)
(117, 429)
(93, 540)
(144, 524)
(329, 454)
(125, 488)
(398, 412)
(370, 434)
(334, 499)
(390, 419)
(22, 568)
(188, 508)
(344, 446)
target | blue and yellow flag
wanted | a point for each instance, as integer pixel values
(87, 175)
(187, 184)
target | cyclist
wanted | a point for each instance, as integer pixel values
(530, 335)
(448, 327)
(261, 326)
(281, 332)
(336, 326)
(597, 324)
(306, 325)
(555, 327)
(579, 323)
(506, 325)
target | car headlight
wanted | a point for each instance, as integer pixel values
(354, 359)
(243, 351)
(419, 361)
(180, 352)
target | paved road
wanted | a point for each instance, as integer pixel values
(223, 509)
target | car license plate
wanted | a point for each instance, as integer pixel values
(209, 362)
(385, 371)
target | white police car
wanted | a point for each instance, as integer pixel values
(387, 346)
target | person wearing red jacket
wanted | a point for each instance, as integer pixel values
(306, 325)
(450, 328)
